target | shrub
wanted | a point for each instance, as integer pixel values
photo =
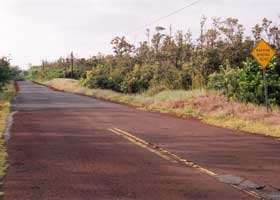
(37, 73)
(5, 72)
(246, 84)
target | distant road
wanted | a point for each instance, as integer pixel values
(66, 146)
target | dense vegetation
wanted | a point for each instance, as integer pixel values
(218, 59)
(7, 72)
(7, 92)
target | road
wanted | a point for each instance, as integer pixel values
(66, 146)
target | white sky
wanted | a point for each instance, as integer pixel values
(31, 30)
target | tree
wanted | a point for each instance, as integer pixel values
(5, 71)
(121, 47)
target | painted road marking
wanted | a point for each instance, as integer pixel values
(167, 155)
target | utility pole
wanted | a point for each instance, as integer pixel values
(43, 64)
(148, 36)
(72, 64)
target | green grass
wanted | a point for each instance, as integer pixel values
(5, 96)
(209, 106)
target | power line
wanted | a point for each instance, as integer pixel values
(166, 16)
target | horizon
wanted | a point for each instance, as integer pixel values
(33, 31)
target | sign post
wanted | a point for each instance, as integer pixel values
(264, 53)
(265, 90)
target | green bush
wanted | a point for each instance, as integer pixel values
(52, 73)
(96, 78)
(32, 73)
(246, 84)
(5, 72)
(136, 80)
(37, 73)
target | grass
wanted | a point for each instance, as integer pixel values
(209, 106)
(5, 96)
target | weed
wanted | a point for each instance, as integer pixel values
(5, 97)
(212, 107)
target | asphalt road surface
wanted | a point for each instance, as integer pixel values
(66, 146)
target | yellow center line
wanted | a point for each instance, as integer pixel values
(141, 145)
(167, 155)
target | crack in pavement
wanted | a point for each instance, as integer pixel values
(249, 187)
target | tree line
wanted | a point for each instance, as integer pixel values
(219, 58)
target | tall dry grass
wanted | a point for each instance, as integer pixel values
(5, 97)
(212, 107)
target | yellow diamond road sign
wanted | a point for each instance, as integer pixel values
(263, 53)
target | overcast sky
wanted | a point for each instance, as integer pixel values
(32, 30)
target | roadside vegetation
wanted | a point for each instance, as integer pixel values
(7, 92)
(211, 107)
(212, 77)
